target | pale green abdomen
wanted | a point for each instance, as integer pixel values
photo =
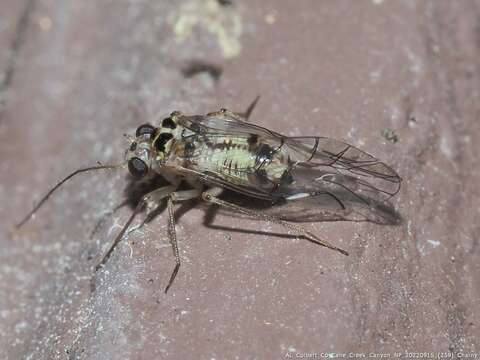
(239, 164)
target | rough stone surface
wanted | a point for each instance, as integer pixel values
(400, 79)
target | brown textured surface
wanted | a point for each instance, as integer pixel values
(344, 69)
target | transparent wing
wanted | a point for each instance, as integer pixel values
(223, 123)
(370, 174)
(323, 178)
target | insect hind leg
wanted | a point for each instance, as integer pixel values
(211, 196)
(251, 107)
(239, 116)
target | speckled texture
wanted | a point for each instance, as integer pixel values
(400, 79)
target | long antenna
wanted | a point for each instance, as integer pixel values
(47, 195)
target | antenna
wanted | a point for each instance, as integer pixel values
(60, 183)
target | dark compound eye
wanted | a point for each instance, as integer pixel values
(145, 129)
(137, 167)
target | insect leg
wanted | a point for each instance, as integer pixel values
(104, 218)
(211, 197)
(177, 196)
(172, 234)
(243, 117)
(246, 115)
(147, 199)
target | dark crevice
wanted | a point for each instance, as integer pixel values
(225, 2)
(198, 67)
(14, 49)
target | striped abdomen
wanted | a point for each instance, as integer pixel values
(239, 160)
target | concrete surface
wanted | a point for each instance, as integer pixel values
(400, 79)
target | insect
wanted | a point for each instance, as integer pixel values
(301, 178)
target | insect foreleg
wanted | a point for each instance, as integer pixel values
(176, 196)
(148, 199)
(211, 197)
